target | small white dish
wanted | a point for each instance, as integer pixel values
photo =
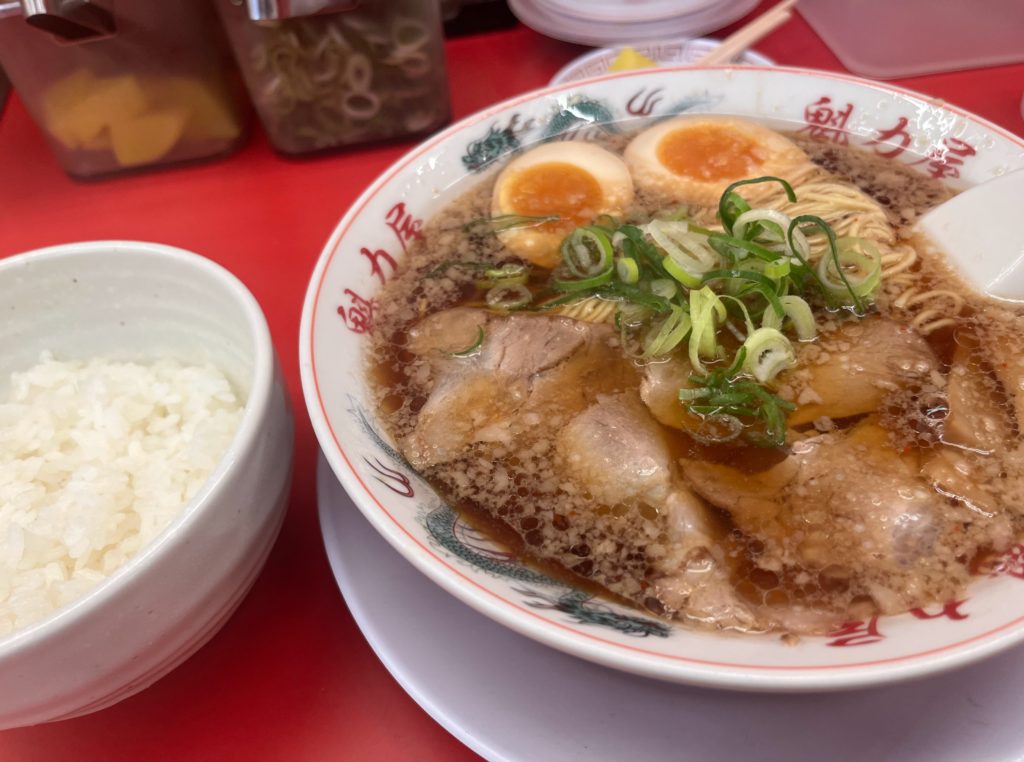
(371, 238)
(135, 301)
(497, 691)
(608, 24)
(663, 52)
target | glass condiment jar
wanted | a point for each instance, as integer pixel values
(124, 86)
(327, 73)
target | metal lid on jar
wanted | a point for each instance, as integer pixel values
(273, 10)
(70, 20)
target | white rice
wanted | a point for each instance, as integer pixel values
(96, 459)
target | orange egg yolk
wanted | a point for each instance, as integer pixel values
(708, 153)
(555, 188)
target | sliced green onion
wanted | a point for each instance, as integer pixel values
(764, 286)
(744, 311)
(706, 311)
(774, 415)
(668, 334)
(511, 296)
(637, 246)
(627, 269)
(768, 353)
(664, 287)
(736, 274)
(688, 395)
(799, 312)
(724, 244)
(857, 253)
(472, 348)
(798, 244)
(737, 363)
(635, 295)
(676, 271)
(690, 252)
(584, 283)
(509, 273)
(723, 394)
(587, 251)
(756, 222)
(631, 315)
(511, 270)
(771, 320)
(731, 205)
(805, 265)
(504, 222)
(833, 252)
(777, 270)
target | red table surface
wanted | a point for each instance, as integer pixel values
(290, 676)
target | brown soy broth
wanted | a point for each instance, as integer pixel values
(396, 372)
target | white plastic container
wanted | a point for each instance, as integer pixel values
(886, 39)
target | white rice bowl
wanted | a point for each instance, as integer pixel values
(125, 591)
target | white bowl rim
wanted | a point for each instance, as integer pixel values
(694, 671)
(245, 437)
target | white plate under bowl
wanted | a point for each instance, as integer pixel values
(371, 239)
(497, 691)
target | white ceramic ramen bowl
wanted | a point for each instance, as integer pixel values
(137, 301)
(940, 139)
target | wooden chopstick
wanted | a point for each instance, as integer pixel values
(748, 34)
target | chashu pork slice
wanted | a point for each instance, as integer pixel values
(846, 501)
(501, 386)
(975, 453)
(852, 370)
(616, 449)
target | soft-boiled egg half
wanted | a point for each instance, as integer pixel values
(576, 182)
(693, 159)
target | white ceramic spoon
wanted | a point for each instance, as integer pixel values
(982, 232)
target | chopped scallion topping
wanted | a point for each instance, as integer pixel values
(503, 222)
(627, 269)
(686, 288)
(512, 296)
(724, 392)
(473, 348)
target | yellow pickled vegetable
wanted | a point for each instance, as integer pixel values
(210, 117)
(148, 137)
(83, 107)
(60, 98)
(629, 59)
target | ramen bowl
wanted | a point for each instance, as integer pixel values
(374, 234)
(142, 302)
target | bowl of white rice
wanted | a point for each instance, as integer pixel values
(145, 461)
